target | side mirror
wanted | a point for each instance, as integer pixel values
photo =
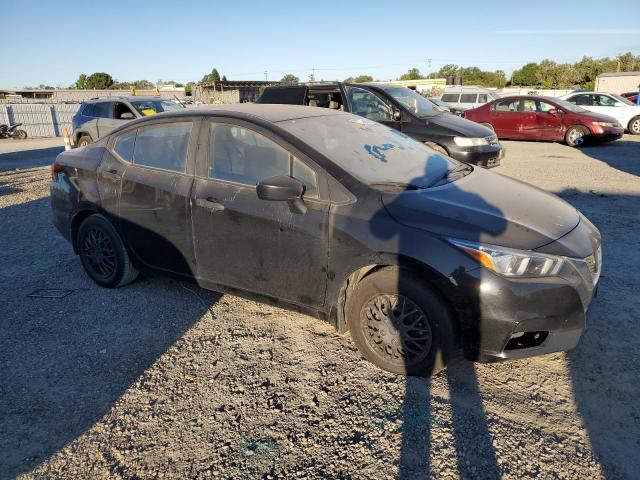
(553, 112)
(397, 115)
(283, 189)
(127, 116)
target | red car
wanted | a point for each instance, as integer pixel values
(544, 118)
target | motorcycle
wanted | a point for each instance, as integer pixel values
(12, 131)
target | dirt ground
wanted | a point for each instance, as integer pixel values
(161, 379)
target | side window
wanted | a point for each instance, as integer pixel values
(103, 110)
(483, 98)
(544, 107)
(163, 146)
(307, 176)
(528, 105)
(603, 101)
(123, 112)
(451, 97)
(241, 155)
(88, 110)
(124, 145)
(508, 105)
(580, 100)
(468, 98)
(368, 105)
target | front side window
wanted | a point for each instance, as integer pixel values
(544, 107)
(468, 98)
(123, 112)
(508, 105)
(580, 100)
(368, 105)
(412, 101)
(306, 175)
(603, 101)
(163, 146)
(103, 110)
(124, 145)
(241, 155)
(151, 107)
(483, 98)
(528, 105)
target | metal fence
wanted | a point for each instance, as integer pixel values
(39, 120)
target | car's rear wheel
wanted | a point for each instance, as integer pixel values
(103, 254)
(84, 140)
(489, 126)
(576, 136)
(634, 126)
(20, 135)
(437, 148)
(399, 323)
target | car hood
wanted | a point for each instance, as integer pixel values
(486, 207)
(459, 125)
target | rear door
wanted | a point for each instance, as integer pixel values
(154, 207)
(368, 104)
(251, 244)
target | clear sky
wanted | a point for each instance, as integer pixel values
(54, 42)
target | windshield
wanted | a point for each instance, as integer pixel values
(620, 98)
(567, 106)
(414, 102)
(370, 151)
(151, 107)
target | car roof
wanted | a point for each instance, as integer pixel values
(130, 98)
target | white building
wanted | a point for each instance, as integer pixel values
(618, 82)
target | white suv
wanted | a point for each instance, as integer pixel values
(616, 106)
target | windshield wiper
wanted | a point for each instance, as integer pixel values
(396, 186)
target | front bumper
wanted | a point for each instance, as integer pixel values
(606, 134)
(487, 156)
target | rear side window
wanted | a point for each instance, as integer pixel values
(580, 100)
(451, 97)
(241, 155)
(103, 110)
(507, 105)
(163, 146)
(285, 95)
(468, 98)
(124, 145)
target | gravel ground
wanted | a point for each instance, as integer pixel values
(162, 379)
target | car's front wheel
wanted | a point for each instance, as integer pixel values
(103, 254)
(634, 126)
(399, 323)
(576, 136)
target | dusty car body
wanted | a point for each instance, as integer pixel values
(417, 255)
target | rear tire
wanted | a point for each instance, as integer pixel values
(20, 135)
(103, 254)
(84, 140)
(634, 126)
(400, 324)
(576, 136)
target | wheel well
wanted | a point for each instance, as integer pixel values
(80, 134)
(75, 225)
(439, 284)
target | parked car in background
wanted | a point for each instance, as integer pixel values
(616, 106)
(415, 254)
(98, 117)
(402, 109)
(545, 118)
(462, 98)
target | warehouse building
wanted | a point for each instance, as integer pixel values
(230, 91)
(617, 82)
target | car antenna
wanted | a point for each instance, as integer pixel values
(176, 97)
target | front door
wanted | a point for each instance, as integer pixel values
(507, 118)
(154, 208)
(367, 104)
(250, 244)
(549, 122)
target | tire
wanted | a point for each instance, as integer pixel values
(634, 126)
(489, 126)
(576, 136)
(84, 140)
(20, 135)
(374, 330)
(103, 254)
(437, 148)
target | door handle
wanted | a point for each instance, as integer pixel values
(210, 204)
(112, 174)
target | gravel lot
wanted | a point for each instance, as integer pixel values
(162, 379)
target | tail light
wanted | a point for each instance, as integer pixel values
(55, 169)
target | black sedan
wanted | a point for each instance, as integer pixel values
(417, 255)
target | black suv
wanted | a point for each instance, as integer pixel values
(400, 108)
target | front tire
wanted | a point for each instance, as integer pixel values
(84, 140)
(576, 136)
(20, 135)
(103, 254)
(400, 324)
(634, 126)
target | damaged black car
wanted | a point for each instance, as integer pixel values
(418, 256)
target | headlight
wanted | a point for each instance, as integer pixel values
(470, 142)
(510, 262)
(607, 124)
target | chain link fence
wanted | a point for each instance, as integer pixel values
(38, 119)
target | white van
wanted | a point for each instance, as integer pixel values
(462, 98)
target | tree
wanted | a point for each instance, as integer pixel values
(143, 84)
(81, 83)
(99, 81)
(213, 77)
(413, 74)
(363, 79)
(188, 88)
(527, 75)
(290, 79)
(224, 78)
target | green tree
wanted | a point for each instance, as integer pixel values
(413, 74)
(527, 75)
(188, 88)
(290, 79)
(81, 83)
(213, 77)
(363, 79)
(99, 81)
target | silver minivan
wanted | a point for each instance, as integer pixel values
(460, 99)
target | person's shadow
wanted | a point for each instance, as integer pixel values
(476, 457)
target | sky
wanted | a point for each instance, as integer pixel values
(46, 42)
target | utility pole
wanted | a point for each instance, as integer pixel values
(428, 66)
(266, 79)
